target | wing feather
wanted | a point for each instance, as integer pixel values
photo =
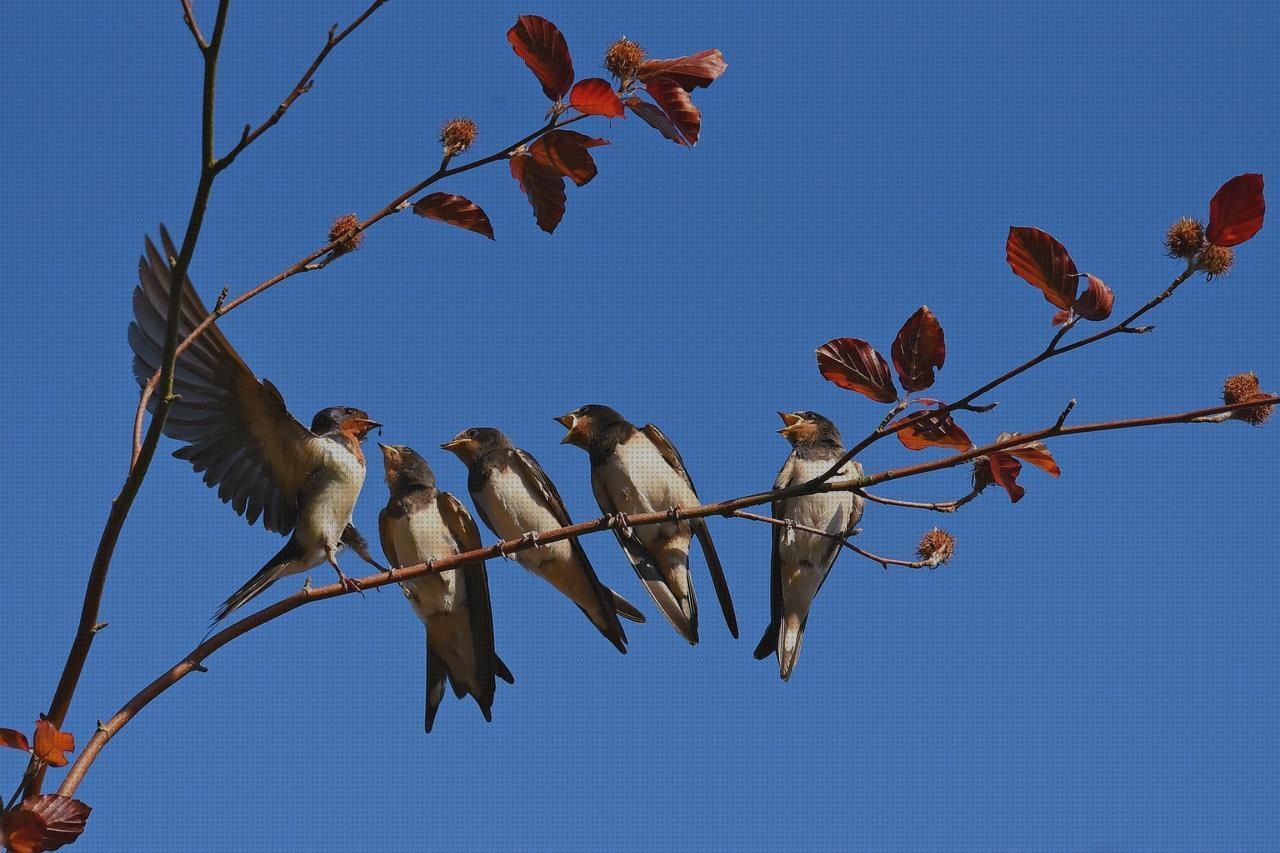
(237, 429)
(476, 582)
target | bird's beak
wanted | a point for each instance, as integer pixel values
(790, 421)
(360, 427)
(389, 453)
(456, 444)
(571, 422)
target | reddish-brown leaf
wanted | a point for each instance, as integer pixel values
(51, 744)
(676, 103)
(544, 187)
(565, 152)
(854, 364)
(698, 69)
(1061, 317)
(454, 210)
(932, 430)
(64, 818)
(14, 740)
(1005, 470)
(1033, 452)
(657, 119)
(1237, 210)
(542, 47)
(1095, 301)
(1044, 263)
(23, 831)
(596, 97)
(919, 348)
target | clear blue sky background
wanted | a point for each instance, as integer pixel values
(1096, 670)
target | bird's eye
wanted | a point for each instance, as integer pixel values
(471, 433)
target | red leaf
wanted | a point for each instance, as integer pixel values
(23, 831)
(1005, 470)
(1236, 212)
(565, 152)
(690, 72)
(454, 210)
(542, 47)
(1044, 263)
(1061, 317)
(596, 97)
(932, 430)
(1096, 301)
(544, 187)
(679, 108)
(14, 740)
(51, 744)
(853, 364)
(63, 817)
(918, 350)
(657, 119)
(1033, 452)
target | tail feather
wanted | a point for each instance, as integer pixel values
(790, 638)
(768, 643)
(501, 670)
(266, 576)
(435, 687)
(626, 609)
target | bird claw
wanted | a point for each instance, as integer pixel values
(348, 584)
(789, 533)
(673, 512)
(531, 537)
(622, 524)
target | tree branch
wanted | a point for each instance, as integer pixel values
(322, 257)
(123, 502)
(189, 17)
(303, 86)
(843, 541)
(941, 506)
(193, 662)
(966, 402)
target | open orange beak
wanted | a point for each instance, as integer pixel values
(790, 422)
(574, 424)
(359, 427)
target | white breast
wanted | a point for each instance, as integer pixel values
(419, 537)
(330, 496)
(831, 512)
(514, 511)
(639, 479)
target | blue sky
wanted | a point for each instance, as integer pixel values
(1094, 671)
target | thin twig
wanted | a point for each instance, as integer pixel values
(727, 508)
(843, 541)
(940, 506)
(190, 18)
(334, 38)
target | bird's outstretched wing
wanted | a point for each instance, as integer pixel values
(699, 525)
(236, 428)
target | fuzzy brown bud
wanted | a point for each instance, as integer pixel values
(623, 59)
(1185, 238)
(1242, 388)
(1215, 261)
(936, 547)
(457, 135)
(343, 232)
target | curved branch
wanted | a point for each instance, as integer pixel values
(322, 257)
(966, 402)
(193, 662)
(941, 506)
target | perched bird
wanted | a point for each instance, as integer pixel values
(238, 432)
(515, 498)
(637, 471)
(802, 560)
(422, 523)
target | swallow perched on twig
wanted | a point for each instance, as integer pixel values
(801, 561)
(420, 523)
(515, 499)
(300, 481)
(638, 471)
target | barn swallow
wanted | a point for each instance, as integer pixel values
(637, 471)
(801, 561)
(300, 481)
(515, 498)
(421, 523)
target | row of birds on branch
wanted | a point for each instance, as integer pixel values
(304, 483)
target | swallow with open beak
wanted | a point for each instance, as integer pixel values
(421, 523)
(639, 471)
(515, 498)
(801, 560)
(237, 431)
